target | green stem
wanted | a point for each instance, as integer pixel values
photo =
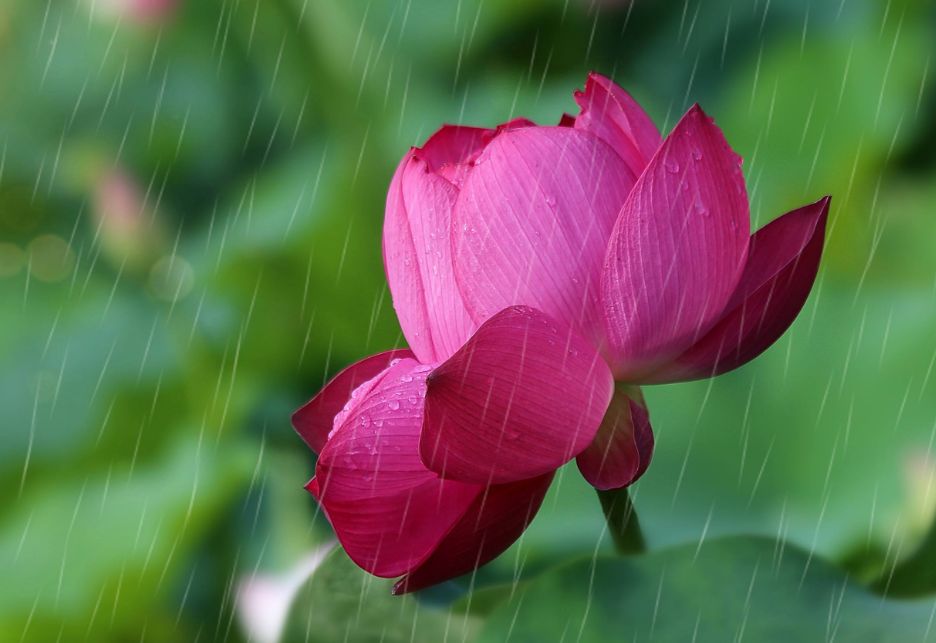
(622, 521)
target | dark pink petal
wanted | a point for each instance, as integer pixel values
(315, 420)
(418, 261)
(387, 509)
(612, 115)
(567, 120)
(496, 519)
(514, 123)
(781, 268)
(532, 222)
(677, 251)
(643, 436)
(623, 446)
(779, 244)
(454, 144)
(524, 396)
(390, 535)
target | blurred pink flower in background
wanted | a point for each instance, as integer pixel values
(540, 275)
(136, 11)
(124, 223)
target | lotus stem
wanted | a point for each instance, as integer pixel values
(622, 521)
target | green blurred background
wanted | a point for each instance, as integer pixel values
(190, 220)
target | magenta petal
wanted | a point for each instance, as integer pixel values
(418, 261)
(369, 453)
(643, 436)
(677, 251)
(524, 396)
(612, 115)
(532, 222)
(454, 144)
(623, 445)
(496, 519)
(315, 420)
(781, 268)
(390, 535)
(387, 509)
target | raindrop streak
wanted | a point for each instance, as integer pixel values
(702, 537)
(887, 69)
(29, 446)
(725, 43)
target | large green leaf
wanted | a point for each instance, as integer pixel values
(752, 589)
(914, 576)
(341, 602)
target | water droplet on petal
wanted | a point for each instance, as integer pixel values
(394, 405)
(671, 165)
(700, 208)
(696, 153)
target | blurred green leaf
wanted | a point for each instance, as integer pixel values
(341, 603)
(915, 575)
(78, 558)
(740, 588)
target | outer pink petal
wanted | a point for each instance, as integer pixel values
(532, 222)
(677, 250)
(780, 272)
(388, 510)
(623, 446)
(315, 420)
(418, 261)
(496, 519)
(612, 115)
(524, 396)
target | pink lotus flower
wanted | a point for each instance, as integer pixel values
(540, 274)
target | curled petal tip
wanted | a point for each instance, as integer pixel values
(313, 488)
